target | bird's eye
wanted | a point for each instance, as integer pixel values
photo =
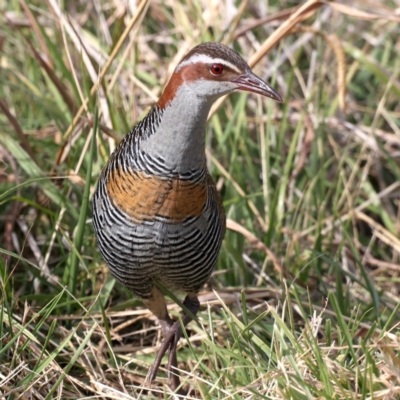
(216, 69)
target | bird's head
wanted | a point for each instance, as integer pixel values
(211, 70)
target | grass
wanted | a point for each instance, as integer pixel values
(304, 303)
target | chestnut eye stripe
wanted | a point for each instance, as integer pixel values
(205, 59)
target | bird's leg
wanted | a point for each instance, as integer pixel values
(171, 332)
(192, 303)
(157, 305)
(173, 376)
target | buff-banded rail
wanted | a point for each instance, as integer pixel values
(157, 215)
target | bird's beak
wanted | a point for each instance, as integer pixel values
(252, 83)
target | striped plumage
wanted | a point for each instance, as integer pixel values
(156, 212)
(136, 236)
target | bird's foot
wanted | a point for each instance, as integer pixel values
(171, 334)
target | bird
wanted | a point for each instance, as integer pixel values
(157, 215)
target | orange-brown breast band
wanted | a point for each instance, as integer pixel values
(145, 197)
